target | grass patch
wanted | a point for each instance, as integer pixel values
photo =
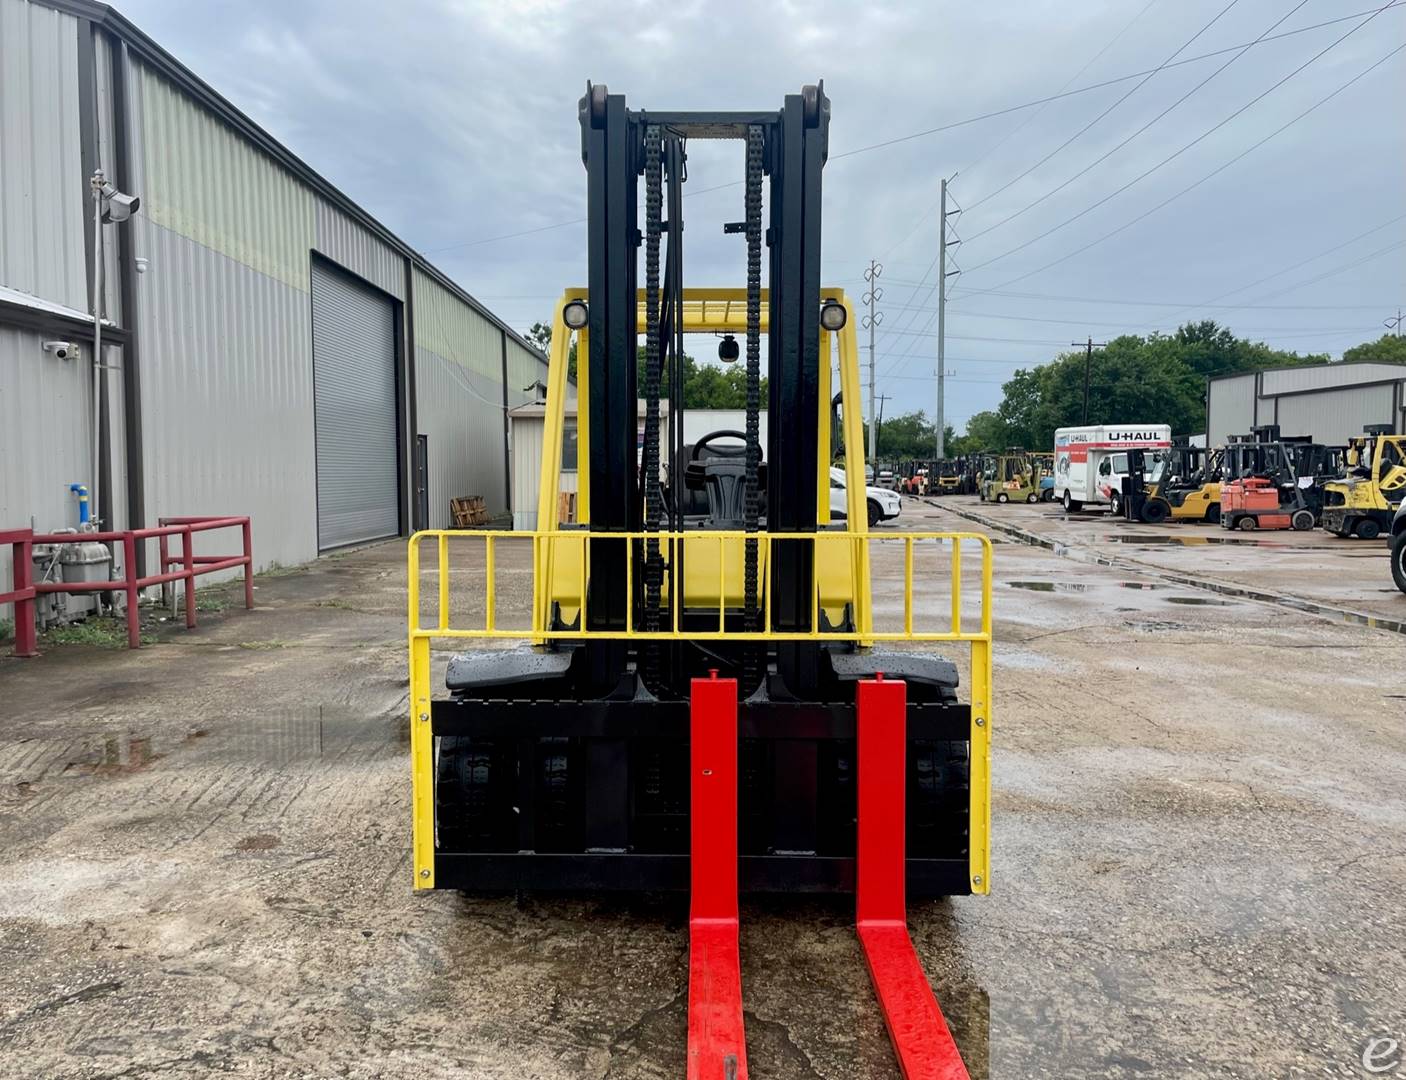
(98, 633)
(7, 629)
(211, 601)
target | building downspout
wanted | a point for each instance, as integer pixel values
(507, 444)
(127, 275)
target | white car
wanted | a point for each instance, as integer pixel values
(883, 503)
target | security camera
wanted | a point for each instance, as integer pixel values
(120, 207)
(63, 350)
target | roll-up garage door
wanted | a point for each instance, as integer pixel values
(353, 360)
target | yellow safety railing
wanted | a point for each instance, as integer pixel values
(548, 547)
(578, 544)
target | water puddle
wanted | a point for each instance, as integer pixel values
(1239, 592)
(1081, 586)
(1189, 541)
(1199, 601)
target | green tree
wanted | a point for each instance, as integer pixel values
(1156, 379)
(1388, 349)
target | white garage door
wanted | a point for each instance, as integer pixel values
(353, 360)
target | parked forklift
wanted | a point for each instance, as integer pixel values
(946, 477)
(1010, 477)
(1364, 500)
(1260, 488)
(1179, 483)
(703, 700)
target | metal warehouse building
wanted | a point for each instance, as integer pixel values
(1331, 402)
(270, 350)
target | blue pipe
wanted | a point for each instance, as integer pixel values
(81, 490)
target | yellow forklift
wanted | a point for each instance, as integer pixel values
(702, 696)
(1363, 501)
(1010, 477)
(1179, 483)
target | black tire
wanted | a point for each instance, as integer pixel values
(1115, 504)
(876, 514)
(1155, 512)
(1033, 497)
(1003, 498)
(1071, 505)
(1302, 520)
(1247, 523)
(1366, 529)
(1213, 514)
(474, 795)
(1047, 495)
(1398, 560)
(939, 781)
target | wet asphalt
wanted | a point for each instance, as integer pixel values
(1199, 845)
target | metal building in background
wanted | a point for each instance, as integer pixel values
(262, 330)
(1331, 402)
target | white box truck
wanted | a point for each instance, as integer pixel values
(1090, 462)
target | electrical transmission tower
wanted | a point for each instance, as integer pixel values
(871, 321)
(946, 225)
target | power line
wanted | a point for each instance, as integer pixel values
(1191, 187)
(1140, 84)
(1200, 138)
(1213, 302)
(951, 125)
(1068, 83)
(1109, 153)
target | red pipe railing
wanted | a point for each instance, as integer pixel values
(21, 543)
(190, 566)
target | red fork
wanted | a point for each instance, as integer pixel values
(924, 1045)
(717, 1048)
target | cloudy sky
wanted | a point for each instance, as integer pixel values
(455, 124)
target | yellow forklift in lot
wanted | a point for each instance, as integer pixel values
(1010, 477)
(1178, 483)
(1363, 502)
(703, 698)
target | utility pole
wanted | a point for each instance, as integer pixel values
(872, 319)
(1089, 347)
(1394, 323)
(942, 275)
(874, 430)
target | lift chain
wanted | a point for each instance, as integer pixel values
(754, 332)
(653, 197)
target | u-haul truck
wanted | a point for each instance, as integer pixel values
(1090, 462)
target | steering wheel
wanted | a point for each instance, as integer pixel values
(725, 433)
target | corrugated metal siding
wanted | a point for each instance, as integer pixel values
(525, 369)
(42, 186)
(1334, 416)
(459, 390)
(1292, 380)
(527, 432)
(348, 244)
(207, 184)
(1230, 408)
(465, 432)
(45, 406)
(226, 394)
(446, 325)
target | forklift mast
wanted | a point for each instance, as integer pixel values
(789, 147)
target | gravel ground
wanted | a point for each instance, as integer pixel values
(1199, 848)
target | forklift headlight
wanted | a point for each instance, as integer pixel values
(833, 316)
(575, 314)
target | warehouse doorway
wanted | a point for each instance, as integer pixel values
(354, 399)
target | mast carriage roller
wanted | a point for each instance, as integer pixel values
(703, 699)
